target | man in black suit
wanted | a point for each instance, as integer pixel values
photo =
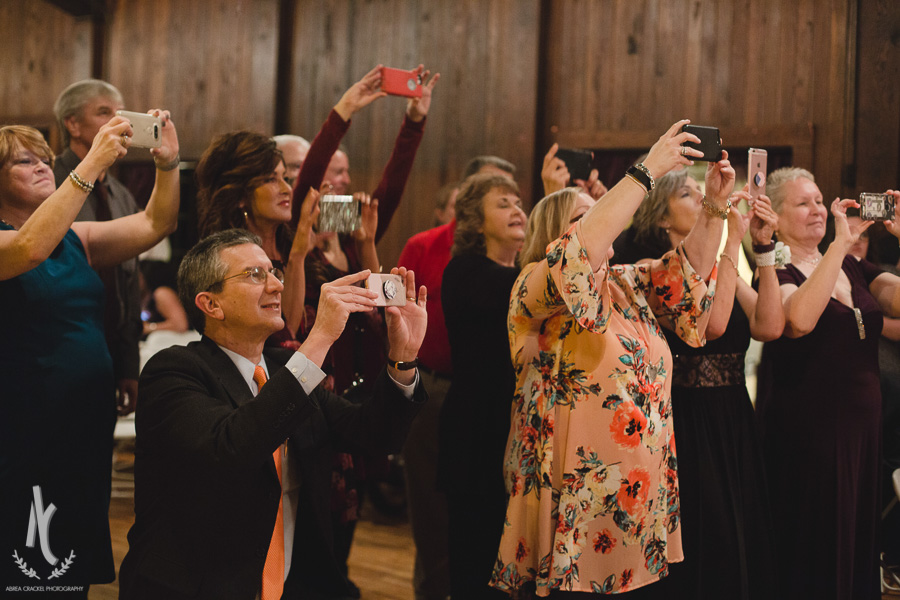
(206, 482)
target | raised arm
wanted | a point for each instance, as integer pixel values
(42, 230)
(702, 242)
(293, 297)
(886, 287)
(804, 305)
(364, 237)
(764, 309)
(358, 96)
(612, 213)
(108, 243)
(396, 172)
(727, 279)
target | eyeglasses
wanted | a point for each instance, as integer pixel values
(256, 274)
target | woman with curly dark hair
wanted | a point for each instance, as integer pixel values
(240, 180)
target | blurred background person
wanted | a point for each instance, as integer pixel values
(294, 150)
(427, 254)
(81, 109)
(161, 310)
(820, 398)
(445, 208)
(726, 533)
(59, 408)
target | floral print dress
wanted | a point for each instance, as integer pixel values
(590, 462)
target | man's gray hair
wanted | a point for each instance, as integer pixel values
(202, 269)
(73, 99)
(477, 163)
(287, 138)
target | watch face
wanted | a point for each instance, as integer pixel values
(390, 289)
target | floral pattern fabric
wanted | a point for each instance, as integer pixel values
(590, 463)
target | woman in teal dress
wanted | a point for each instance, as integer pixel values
(57, 407)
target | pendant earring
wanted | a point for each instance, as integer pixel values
(246, 216)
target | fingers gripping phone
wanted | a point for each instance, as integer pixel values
(398, 82)
(578, 162)
(390, 288)
(757, 160)
(710, 142)
(147, 129)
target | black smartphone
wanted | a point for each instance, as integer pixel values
(578, 162)
(710, 142)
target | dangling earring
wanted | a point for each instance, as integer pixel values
(246, 216)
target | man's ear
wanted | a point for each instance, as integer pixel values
(72, 126)
(209, 306)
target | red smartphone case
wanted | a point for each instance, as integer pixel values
(398, 82)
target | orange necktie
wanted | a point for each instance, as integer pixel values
(273, 571)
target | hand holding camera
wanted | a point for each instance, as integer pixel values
(418, 106)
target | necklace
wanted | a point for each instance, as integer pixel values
(814, 261)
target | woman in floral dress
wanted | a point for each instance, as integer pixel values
(591, 465)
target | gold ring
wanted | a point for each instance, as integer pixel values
(683, 150)
(411, 299)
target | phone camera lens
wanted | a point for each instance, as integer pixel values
(155, 131)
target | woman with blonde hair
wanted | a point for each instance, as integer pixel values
(59, 407)
(590, 461)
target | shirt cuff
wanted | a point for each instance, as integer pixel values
(407, 390)
(308, 374)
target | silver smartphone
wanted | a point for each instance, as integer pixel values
(147, 129)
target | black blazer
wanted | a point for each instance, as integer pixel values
(206, 490)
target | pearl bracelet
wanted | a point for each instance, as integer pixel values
(765, 259)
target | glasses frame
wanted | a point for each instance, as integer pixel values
(258, 275)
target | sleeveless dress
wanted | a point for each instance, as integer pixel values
(726, 525)
(57, 415)
(820, 407)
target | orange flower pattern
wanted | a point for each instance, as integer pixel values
(590, 465)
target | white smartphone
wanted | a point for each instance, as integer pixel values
(391, 289)
(147, 129)
(756, 171)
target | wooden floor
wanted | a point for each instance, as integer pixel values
(381, 560)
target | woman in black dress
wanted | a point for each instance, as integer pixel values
(820, 400)
(474, 422)
(726, 529)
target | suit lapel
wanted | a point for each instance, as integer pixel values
(232, 382)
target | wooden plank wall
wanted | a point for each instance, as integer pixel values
(212, 63)
(517, 75)
(760, 70)
(485, 102)
(42, 50)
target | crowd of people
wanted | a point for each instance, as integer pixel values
(567, 388)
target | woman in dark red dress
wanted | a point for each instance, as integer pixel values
(820, 399)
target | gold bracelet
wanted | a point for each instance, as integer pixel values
(731, 260)
(81, 183)
(714, 211)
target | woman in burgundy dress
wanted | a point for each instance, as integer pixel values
(820, 400)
